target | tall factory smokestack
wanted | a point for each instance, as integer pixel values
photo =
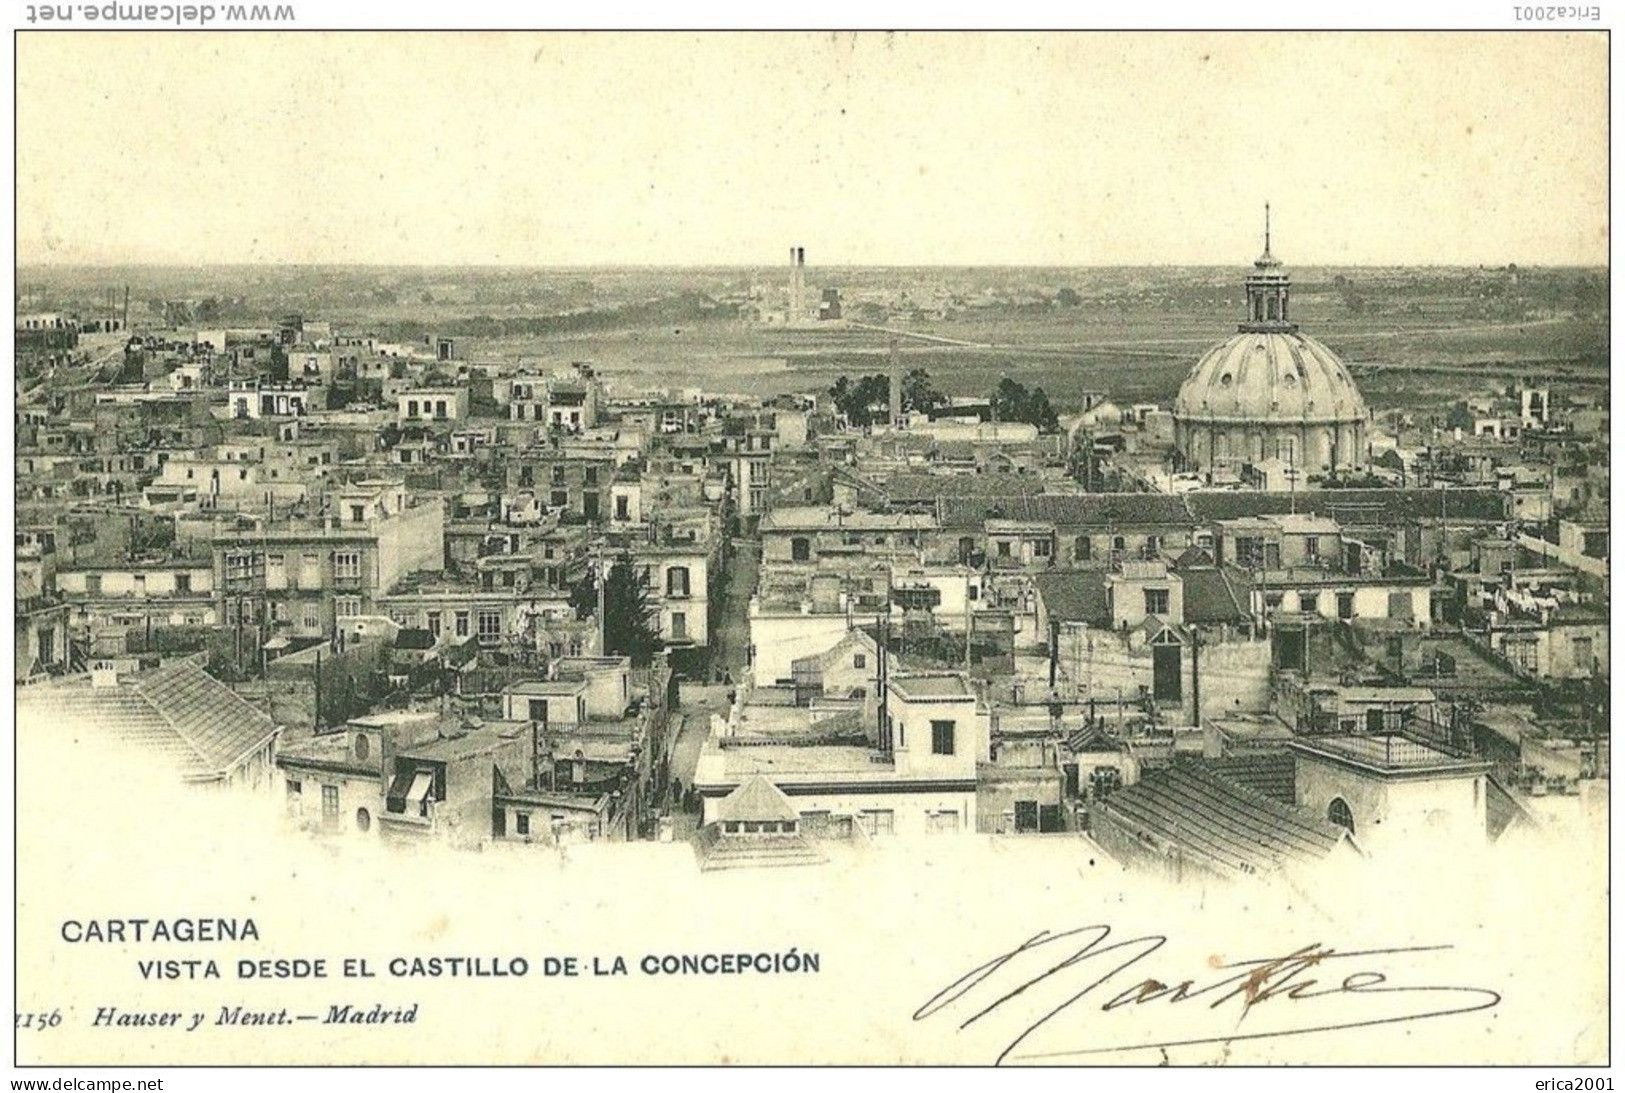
(896, 385)
(798, 286)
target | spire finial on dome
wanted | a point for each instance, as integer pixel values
(1266, 227)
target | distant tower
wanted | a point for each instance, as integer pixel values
(896, 386)
(798, 285)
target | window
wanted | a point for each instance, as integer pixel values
(346, 565)
(679, 626)
(93, 584)
(559, 499)
(1340, 814)
(942, 738)
(490, 625)
(538, 710)
(363, 819)
(1080, 549)
(460, 624)
(1004, 548)
(1309, 603)
(330, 802)
(412, 407)
(860, 660)
(1041, 548)
(877, 821)
(183, 582)
(347, 607)
(433, 621)
(800, 549)
(1156, 601)
(677, 582)
(941, 822)
(521, 823)
(622, 510)
(1345, 605)
(1311, 548)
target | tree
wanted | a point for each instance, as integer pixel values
(629, 628)
(863, 402)
(868, 401)
(1012, 401)
(279, 364)
(919, 393)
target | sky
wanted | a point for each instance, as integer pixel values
(867, 149)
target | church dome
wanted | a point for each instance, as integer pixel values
(1270, 396)
(1270, 375)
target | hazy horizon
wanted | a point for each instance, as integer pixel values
(872, 150)
(680, 267)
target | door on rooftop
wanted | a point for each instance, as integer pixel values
(1289, 648)
(1026, 816)
(1165, 673)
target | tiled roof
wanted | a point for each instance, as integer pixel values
(180, 714)
(1273, 773)
(756, 799)
(1218, 823)
(926, 487)
(1352, 507)
(1075, 596)
(1210, 597)
(1089, 739)
(1101, 510)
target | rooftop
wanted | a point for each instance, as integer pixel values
(179, 712)
(1389, 753)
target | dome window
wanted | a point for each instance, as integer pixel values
(1224, 380)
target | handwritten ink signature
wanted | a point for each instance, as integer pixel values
(1092, 965)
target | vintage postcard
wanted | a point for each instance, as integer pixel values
(1055, 548)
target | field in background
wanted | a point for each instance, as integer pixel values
(1131, 332)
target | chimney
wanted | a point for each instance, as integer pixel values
(103, 674)
(798, 288)
(896, 386)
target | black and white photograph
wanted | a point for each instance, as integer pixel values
(800, 547)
